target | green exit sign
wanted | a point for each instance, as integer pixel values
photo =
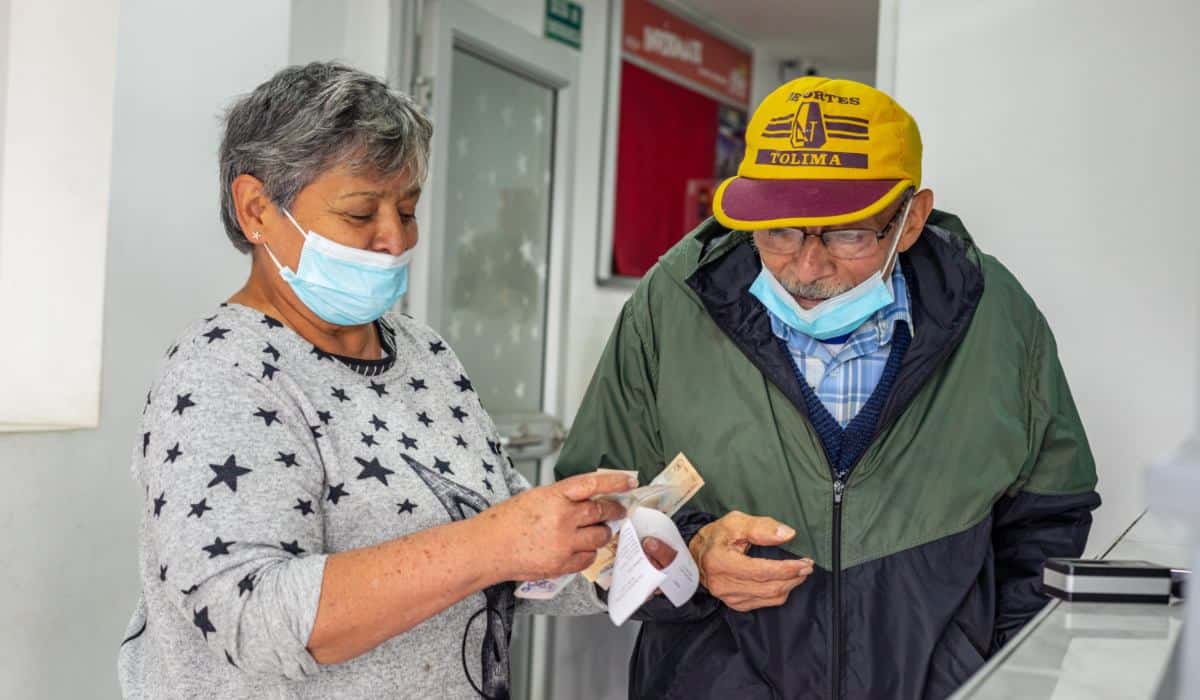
(564, 22)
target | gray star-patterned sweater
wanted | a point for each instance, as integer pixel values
(259, 456)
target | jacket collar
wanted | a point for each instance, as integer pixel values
(944, 284)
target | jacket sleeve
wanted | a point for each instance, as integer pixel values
(1047, 513)
(235, 528)
(617, 423)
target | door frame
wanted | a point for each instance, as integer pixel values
(448, 25)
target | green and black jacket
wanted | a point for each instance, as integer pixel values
(928, 554)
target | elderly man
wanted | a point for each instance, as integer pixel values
(841, 361)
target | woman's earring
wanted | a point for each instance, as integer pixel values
(256, 236)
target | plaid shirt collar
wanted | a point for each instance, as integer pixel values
(874, 333)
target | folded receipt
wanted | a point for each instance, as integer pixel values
(635, 578)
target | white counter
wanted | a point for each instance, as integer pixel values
(1094, 651)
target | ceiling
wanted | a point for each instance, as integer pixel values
(839, 34)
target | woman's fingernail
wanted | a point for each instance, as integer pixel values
(632, 482)
(651, 544)
(784, 531)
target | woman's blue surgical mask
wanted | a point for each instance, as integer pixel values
(837, 315)
(345, 286)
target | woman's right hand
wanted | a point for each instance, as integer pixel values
(555, 529)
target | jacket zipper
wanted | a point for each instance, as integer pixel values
(839, 490)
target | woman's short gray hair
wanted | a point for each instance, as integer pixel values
(309, 118)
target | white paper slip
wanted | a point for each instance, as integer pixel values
(634, 578)
(543, 589)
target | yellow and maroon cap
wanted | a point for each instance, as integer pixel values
(821, 152)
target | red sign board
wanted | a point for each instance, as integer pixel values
(656, 37)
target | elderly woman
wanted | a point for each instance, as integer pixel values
(329, 511)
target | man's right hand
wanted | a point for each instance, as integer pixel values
(742, 582)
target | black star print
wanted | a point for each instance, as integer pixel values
(488, 485)
(270, 322)
(417, 384)
(409, 443)
(288, 459)
(379, 388)
(216, 333)
(182, 403)
(494, 447)
(162, 573)
(145, 443)
(316, 431)
(463, 383)
(377, 423)
(210, 319)
(198, 509)
(147, 403)
(336, 493)
(189, 591)
(267, 416)
(305, 507)
(339, 394)
(173, 454)
(270, 350)
(269, 370)
(171, 353)
(488, 467)
(424, 418)
(437, 347)
(321, 354)
(458, 413)
(373, 469)
(217, 548)
(200, 619)
(458, 440)
(227, 473)
(159, 503)
(406, 507)
(442, 466)
(292, 547)
(230, 659)
(325, 417)
(246, 585)
(368, 440)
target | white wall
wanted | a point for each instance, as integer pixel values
(1064, 134)
(68, 508)
(54, 190)
(355, 32)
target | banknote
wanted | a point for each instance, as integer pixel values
(666, 493)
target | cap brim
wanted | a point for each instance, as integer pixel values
(745, 203)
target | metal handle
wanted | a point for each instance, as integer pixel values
(521, 440)
(531, 436)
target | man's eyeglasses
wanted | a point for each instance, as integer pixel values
(842, 243)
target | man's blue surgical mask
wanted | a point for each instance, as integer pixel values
(837, 315)
(342, 285)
